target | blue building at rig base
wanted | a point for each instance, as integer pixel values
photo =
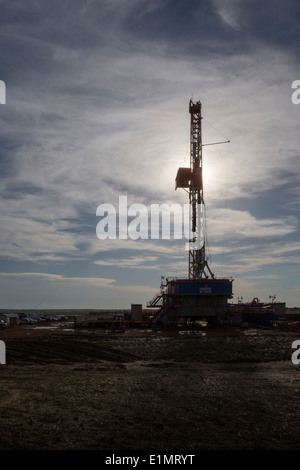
(192, 300)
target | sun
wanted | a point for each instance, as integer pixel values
(207, 175)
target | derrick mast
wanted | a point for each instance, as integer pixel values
(191, 178)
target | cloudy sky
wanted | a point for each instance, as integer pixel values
(97, 95)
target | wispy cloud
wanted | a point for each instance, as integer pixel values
(241, 224)
(97, 107)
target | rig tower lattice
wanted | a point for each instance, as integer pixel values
(192, 178)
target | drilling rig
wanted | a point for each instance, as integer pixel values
(192, 179)
(202, 295)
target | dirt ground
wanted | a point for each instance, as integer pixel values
(225, 388)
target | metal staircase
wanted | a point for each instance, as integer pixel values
(157, 300)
